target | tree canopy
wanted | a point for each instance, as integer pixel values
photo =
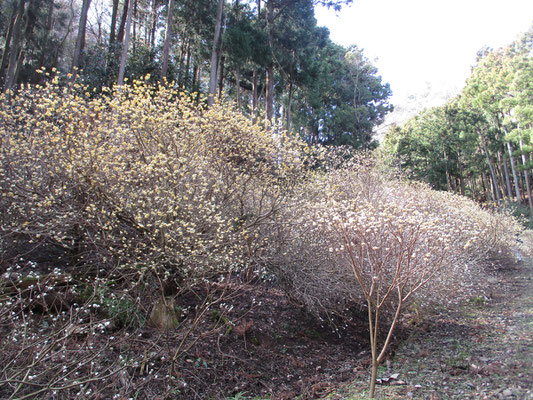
(480, 143)
(270, 57)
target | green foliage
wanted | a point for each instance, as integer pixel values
(124, 312)
(478, 144)
(309, 71)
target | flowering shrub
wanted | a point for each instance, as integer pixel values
(143, 181)
(361, 238)
(445, 236)
(140, 177)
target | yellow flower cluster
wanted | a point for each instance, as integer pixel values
(142, 177)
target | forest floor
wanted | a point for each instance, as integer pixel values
(259, 345)
(480, 350)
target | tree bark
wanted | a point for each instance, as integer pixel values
(492, 172)
(448, 179)
(113, 28)
(9, 34)
(526, 174)
(269, 97)
(134, 39)
(238, 87)
(214, 55)
(168, 35)
(125, 45)
(486, 189)
(254, 96)
(501, 159)
(122, 26)
(288, 111)
(221, 79)
(16, 48)
(516, 177)
(153, 26)
(80, 39)
(49, 22)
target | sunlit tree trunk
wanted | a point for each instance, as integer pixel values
(125, 45)
(123, 21)
(492, 172)
(80, 39)
(168, 35)
(526, 174)
(214, 55)
(516, 178)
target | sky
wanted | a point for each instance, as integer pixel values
(421, 44)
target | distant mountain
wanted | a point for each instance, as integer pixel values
(409, 106)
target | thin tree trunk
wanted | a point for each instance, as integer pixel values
(254, 96)
(181, 60)
(20, 61)
(486, 189)
(123, 19)
(448, 179)
(238, 87)
(16, 48)
(516, 176)
(49, 21)
(492, 172)
(288, 111)
(125, 45)
(197, 85)
(153, 24)
(214, 55)
(221, 80)
(80, 40)
(113, 28)
(196, 72)
(168, 35)
(506, 175)
(134, 41)
(9, 34)
(269, 100)
(373, 349)
(461, 174)
(526, 174)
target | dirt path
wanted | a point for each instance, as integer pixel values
(483, 350)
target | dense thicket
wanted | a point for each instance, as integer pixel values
(117, 207)
(270, 57)
(478, 144)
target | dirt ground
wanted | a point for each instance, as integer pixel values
(482, 350)
(256, 344)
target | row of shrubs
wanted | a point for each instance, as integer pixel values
(143, 192)
(146, 180)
